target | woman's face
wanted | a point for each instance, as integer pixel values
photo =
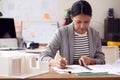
(81, 23)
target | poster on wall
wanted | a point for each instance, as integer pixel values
(29, 8)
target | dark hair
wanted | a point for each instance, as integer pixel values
(81, 7)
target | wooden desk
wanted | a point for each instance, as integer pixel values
(55, 76)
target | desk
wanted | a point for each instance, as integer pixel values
(52, 75)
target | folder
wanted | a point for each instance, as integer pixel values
(91, 73)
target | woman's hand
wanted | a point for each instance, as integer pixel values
(61, 63)
(85, 60)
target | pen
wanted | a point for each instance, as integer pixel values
(69, 72)
(87, 67)
(62, 60)
(58, 56)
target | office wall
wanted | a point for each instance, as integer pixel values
(100, 9)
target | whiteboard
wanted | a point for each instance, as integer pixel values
(40, 32)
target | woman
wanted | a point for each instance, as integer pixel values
(77, 42)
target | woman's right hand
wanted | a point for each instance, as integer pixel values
(61, 63)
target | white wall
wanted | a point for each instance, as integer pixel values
(100, 9)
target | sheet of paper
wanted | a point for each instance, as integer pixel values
(75, 69)
(110, 69)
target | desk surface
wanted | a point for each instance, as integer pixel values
(52, 75)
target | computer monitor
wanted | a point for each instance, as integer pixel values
(7, 33)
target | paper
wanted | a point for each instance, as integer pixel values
(117, 63)
(96, 69)
(75, 69)
(111, 69)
